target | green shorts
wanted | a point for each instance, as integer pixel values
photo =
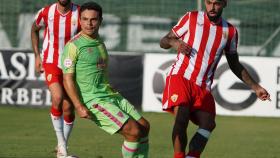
(111, 113)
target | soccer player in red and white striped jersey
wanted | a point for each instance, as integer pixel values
(60, 22)
(200, 37)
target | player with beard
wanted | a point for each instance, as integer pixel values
(200, 37)
(60, 22)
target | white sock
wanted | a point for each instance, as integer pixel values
(58, 128)
(67, 128)
(204, 133)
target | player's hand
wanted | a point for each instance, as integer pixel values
(184, 48)
(262, 94)
(83, 112)
(38, 65)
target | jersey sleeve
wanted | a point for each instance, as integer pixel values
(69, 58)
(182, 26)
(39, 18)
(231, 46)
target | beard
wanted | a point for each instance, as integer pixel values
(214, 18)
(64, 3)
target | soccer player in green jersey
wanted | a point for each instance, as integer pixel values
(84, 64)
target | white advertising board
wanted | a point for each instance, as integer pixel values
(231, 95)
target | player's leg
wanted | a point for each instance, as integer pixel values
(109, 117)
(56, 116)
(179, 136)
(206, 122)
(204, 117)
(54, 82)
(143, 151)
(132, 133)
(69, 117)
(177, 99)
(143, 124)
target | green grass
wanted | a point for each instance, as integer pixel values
(28, 133)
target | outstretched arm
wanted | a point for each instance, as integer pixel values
(35, 45)
(238, 69)
(171, 40)
(71, 89)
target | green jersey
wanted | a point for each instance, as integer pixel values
(87, 58)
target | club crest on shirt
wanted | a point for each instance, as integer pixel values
(67, 63)
(174, 97)
(49, 77)
(89, 50)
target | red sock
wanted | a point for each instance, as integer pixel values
(55, 112)
(194, 154)
(69, 119)
(179, 154)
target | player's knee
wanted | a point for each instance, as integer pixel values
(132, 130)
(210, 126)
(68, 108)
(57, 100)
(145, 126)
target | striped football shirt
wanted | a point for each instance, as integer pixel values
(59, 28)
(208, 41)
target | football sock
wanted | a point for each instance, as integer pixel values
(57, 122)
(179, 154)
(143, 147)
(67, 126)
(198, 143)
(129, 149)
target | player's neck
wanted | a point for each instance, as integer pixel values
(92, 36)
(63, 9)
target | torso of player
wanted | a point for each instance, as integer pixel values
(92, 67)
(208, 41)
(59, 29)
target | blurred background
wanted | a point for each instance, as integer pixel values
(132, 30)
(137, 25)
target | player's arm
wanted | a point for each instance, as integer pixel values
(68, 60)
(171, 40)
(71, 89)
(35, 45)
(238, 69)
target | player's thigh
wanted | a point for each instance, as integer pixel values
(108, 116)
(128, 108)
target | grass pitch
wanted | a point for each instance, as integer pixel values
(28, 133)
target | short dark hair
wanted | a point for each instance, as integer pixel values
(91, 6)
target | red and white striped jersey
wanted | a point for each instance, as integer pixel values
(59, 29)
(208, 41)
